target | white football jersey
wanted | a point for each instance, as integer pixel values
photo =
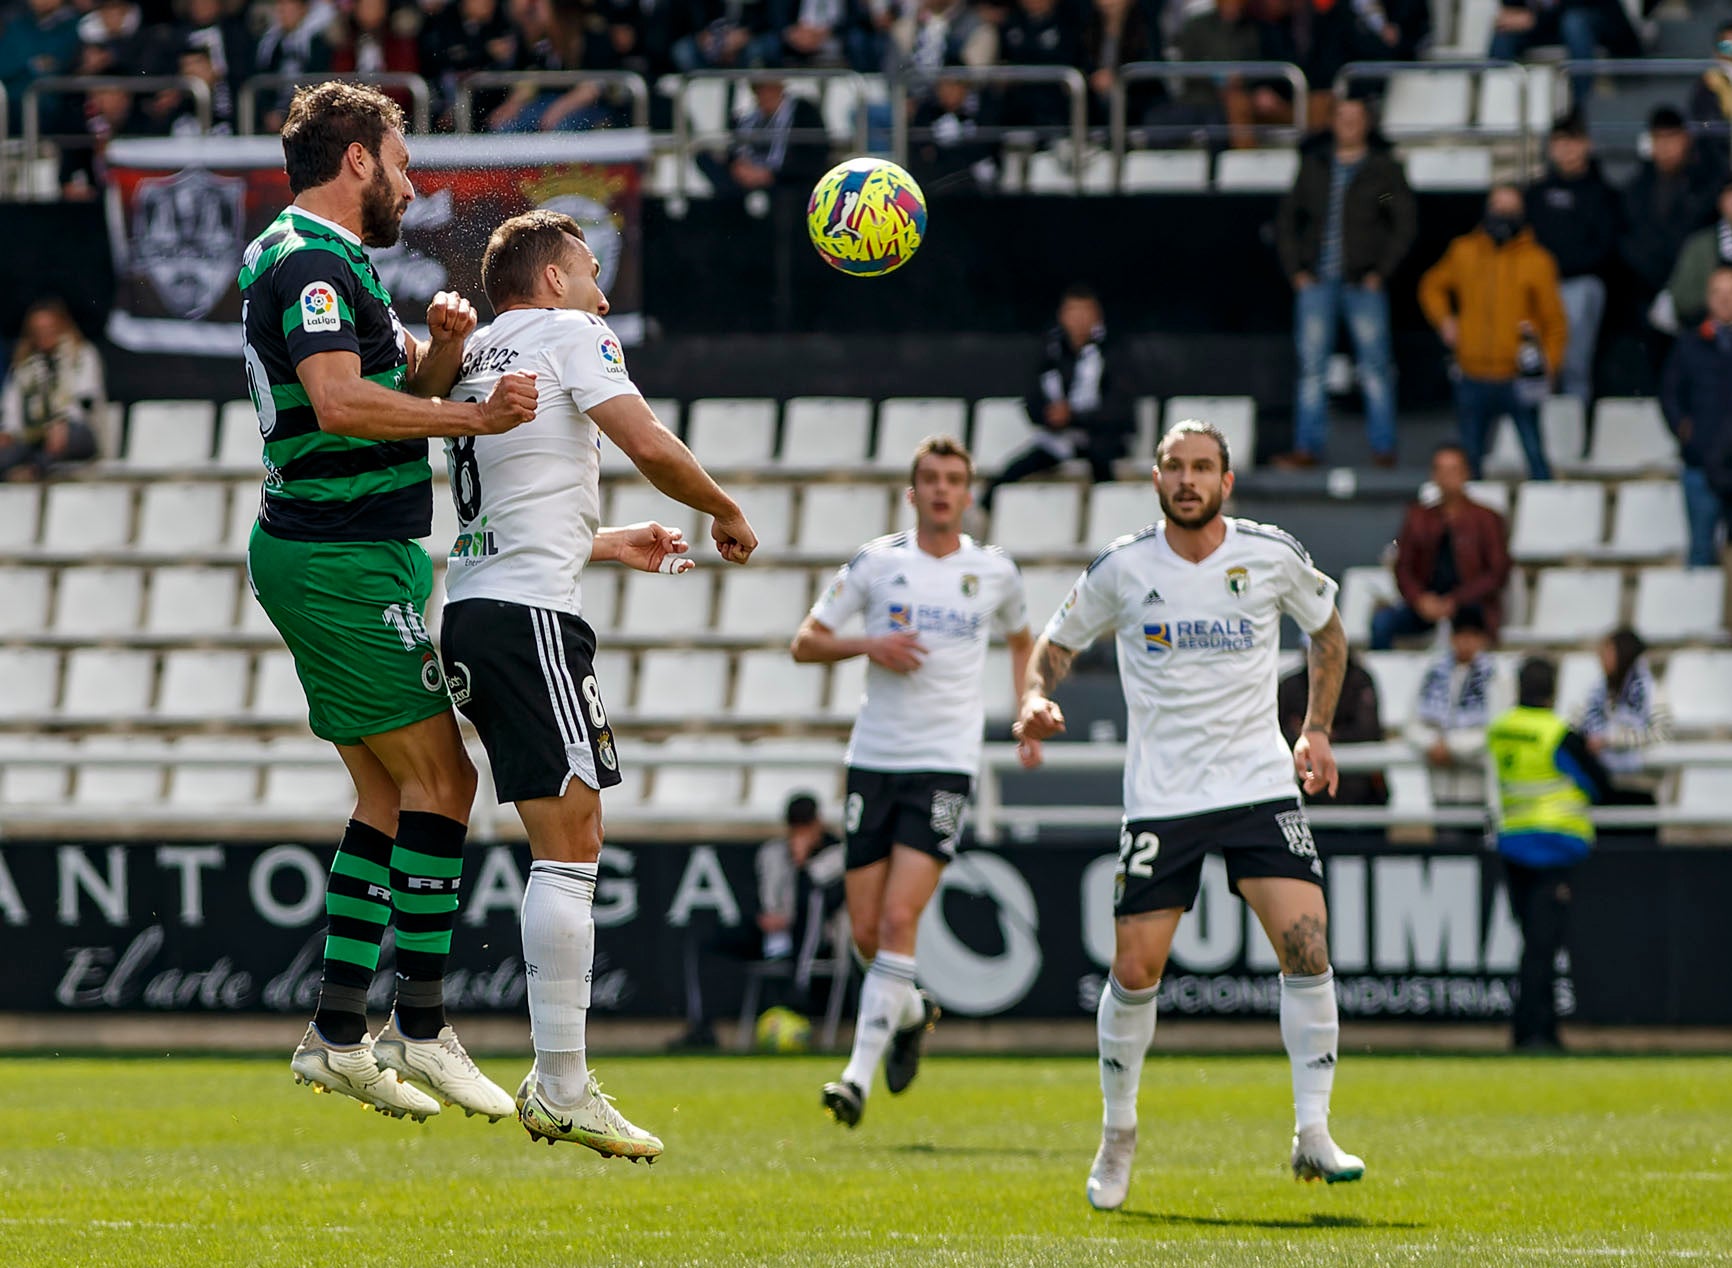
(931, 719)
(529, 500)
(1197, 650)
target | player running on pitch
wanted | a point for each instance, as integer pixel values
(518, 654)
(929, 600)
(334, 562)
(1196, 601)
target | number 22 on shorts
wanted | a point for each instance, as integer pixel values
(1137, 853)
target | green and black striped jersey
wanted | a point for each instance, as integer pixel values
(307, 286)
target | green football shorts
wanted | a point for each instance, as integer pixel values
(351, 615)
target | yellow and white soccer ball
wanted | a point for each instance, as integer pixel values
(783, 1030)
(866, 217)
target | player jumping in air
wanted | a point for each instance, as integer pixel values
(1196, 601)
(346, 401)
(929, 599)
(518, 654)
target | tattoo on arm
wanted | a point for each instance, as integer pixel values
(1326, 664)
(1305, 948)
(1048, 665)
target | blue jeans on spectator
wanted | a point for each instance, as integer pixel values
(1479, 403)
(529, 118)
(1400, 621)
(1704, 509)
(1578, 29)
(1584, 303)
(1315, 310)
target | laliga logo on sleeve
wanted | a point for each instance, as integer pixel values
(612, 356)
(319, 307)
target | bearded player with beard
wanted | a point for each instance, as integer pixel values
(346, 401)
(1196, 602)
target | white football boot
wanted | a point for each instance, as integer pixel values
(444, 1069)
(592, 1122)
(1110, 1177)
(353, 1070)
(1317, 1157)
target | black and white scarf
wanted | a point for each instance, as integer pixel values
(1450, 705)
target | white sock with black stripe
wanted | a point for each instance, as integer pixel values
(887, 997)
(1311, 1033)
(558, 955)
(1124, 1026)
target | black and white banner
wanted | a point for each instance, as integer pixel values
(1024, 931)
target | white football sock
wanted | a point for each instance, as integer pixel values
(1311, 1032)
(1125, 1024)
(887, 997)
(558, 954)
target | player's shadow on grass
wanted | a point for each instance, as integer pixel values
(974, 1151)
(1317, 1220)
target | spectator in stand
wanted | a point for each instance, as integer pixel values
(1070, 402)
(1039, 33)
(1574, 213)
(1342, 230)
(225, 39)
(293, 44)
(1581, 26)
(1493, 299)
(730, 33)
(1458, 697)
(108, 113)
(781, 144)
(1116, 33)
(1671, 196)
(369, 37)
(1227, 33)
(578, 40)
(1626, 712)
(113, 39)
(1450, 554)
(948, 150)
(1696, 398)
(1356, 722)
(52, 398)
(1702, 253)
(1711, 100)
(824, 33)
(462, 39)
(932, 34)
(39, 39)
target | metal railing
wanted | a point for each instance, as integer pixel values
(463, 106)
(247, 107)
(5, 139)
(1215, 72)
(132, 85)
(1679, 68)
(1360, 72)
(1066, 77)
(687, 138)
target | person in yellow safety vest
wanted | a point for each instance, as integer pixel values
(1545, 780)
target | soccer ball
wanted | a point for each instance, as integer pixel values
(783, 1030)
(866, 217)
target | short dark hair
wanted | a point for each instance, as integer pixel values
(324, 121)
(802, 809)
(1665, 119)
(1537, 683)
(1079, 291)
(1571, 125)
(1197, 427)
(940, 447)
(1469, 616)
(520, 249)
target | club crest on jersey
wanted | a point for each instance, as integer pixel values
(901, 616)
(1158, 638)
(604, 750)
(432, 677)
(319, 307)
(970, 585)
(1238, 582)
(612, 355)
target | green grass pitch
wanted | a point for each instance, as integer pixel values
(1469, 1161)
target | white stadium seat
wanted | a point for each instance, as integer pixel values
(94, 601)
(1502, 98)
(204, 786)
(1051, 173)
(239, 446)
(1572, 605)
(769, 687)
(243, 515)
(1681, 605)
(838, 519)
(1164, 172)
(763, 603)
(599, 601)
(1256, 171)
(1116, 510)
(680, 686)
(1236, 416)
(770, 510)
(770, 785)
(657, 606)
(1648, 521)
(29, 682)
(1046, 589)
(1563, 436)
(1449, 167)
(20, 509)
(164, 435)
(1420, 101)
(1397, 676)
(107, 785)
(1578, 672)
(24, 600)
(826, 433)
(904, 422)
(1698, 685)
(614, 668)
(1555, 519)
(87, 517)
(1001, 431)
(179, 516)
(203, 684)
(847, 685)
(191, 602)
(1630, 435)
(38, 784)
(1706, 792)
(633, 502)
(301, 785)
(686, 788)
(104, 685)
(1036, 518)
(277, 694)
(1364, 589)
(733, 434)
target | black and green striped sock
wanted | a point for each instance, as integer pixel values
(426, 873)
(357, 911)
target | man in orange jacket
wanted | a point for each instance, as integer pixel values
(1494, 301)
